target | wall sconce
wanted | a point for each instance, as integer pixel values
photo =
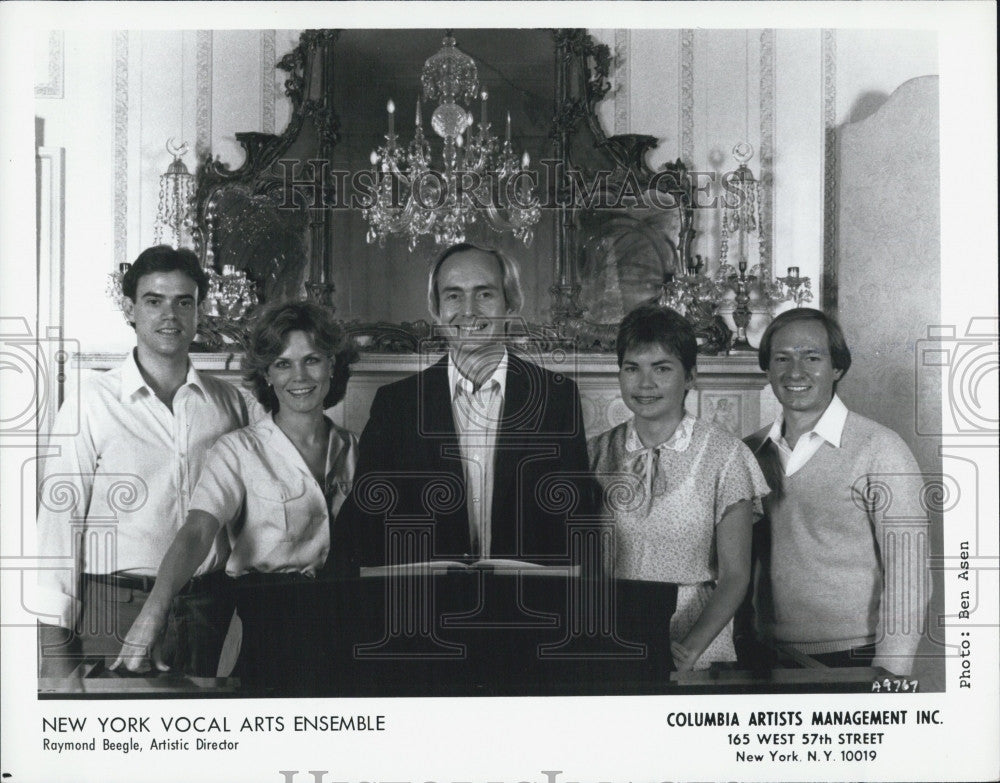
(113, 289)
(740, 218)
(796, 289)
(175, 211)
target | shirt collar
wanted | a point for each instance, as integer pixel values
(132, 380)
(679, 441)
(268, 429)
(499, 377)
(267, 425)
(830, 426)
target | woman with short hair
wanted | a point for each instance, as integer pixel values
(267, 492)
(690, 517)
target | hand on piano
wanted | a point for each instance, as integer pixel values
(684, 659)
(141, 651)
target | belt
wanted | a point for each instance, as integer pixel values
(144, 584)
(260, 578)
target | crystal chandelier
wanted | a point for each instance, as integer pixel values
(480, 178)
(175, 210)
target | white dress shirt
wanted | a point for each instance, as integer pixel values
(118, 491)
(257, 485)
(828, 429)
(477, 416)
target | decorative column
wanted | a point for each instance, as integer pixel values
(568, 109)
(318, 76)
(410, 600)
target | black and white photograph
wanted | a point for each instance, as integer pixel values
(499, 391)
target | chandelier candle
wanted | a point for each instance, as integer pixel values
(475, 182)
(525, 179)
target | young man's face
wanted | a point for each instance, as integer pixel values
(471, 303)
(801, 370)
(165, 313)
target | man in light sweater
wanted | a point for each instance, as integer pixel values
(843, 574)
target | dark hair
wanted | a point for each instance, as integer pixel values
(509, 274)
(163, 258)
(269, 338)
(651, 324)
(840, 354)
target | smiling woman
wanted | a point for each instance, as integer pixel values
(271, 339)
(267, 493)
(695, 487)
(300, 376)
(657, 361)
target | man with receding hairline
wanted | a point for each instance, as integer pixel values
(481, 419)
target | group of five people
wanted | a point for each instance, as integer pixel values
(223, 487)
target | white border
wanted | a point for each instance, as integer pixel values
(588, 739)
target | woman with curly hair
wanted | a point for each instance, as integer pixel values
(267, 492)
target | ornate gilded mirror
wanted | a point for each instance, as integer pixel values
(291, 216)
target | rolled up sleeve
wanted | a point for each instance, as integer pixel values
(63, 500)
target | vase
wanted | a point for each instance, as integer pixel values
(760, 317)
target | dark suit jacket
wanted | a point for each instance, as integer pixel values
(410, 471)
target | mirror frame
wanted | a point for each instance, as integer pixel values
(581, 149)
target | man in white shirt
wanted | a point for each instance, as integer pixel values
(470, 444)
(118, 490)
(844, 570)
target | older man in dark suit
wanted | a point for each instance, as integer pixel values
(485, 447)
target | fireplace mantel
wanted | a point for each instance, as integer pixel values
(730, 390)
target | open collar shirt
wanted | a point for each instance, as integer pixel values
(115, 493)
(829, 429)
(477, 414)
(258, 487)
